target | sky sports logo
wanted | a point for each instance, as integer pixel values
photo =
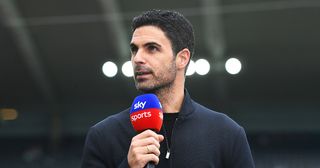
(146, 114)
(139, 105)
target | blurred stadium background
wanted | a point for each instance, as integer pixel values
(52, 87)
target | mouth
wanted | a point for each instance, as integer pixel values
(142, 73)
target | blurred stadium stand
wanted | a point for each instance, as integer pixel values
(52, 88)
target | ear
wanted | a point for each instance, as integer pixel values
(182, 58)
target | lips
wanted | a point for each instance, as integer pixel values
(142, 75)
(142, 72)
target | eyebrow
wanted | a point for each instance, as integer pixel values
(152, 44)
(132, 45)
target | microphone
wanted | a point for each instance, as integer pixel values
(146, 113)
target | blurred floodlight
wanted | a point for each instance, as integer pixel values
(8, 114)
(233, 66)
(191, 68)
(202, 66)
(109, 69)
(127, 69)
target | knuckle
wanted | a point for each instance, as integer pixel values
(152, 140)
(133, 144)
(133, 140)
(151, 148)
(158, 152)
(155, 141)
(148, 132)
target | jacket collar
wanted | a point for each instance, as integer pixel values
(187, 107)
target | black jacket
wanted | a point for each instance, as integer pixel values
(201, 138)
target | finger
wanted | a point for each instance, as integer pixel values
(146, 134)
(143, 150)
(139, 158)
(160, 137)
(144, 153)
(152, 149)
(151, 158)
(144, 142)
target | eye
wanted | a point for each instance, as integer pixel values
(133, 49)
(152, 48)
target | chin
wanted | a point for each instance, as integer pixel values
(145, 88)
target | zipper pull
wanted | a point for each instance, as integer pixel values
(168, 154)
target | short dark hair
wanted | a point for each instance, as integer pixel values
(175, 26)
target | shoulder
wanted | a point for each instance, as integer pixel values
(112, 129)
(114, 122)
(214, 118)
(108, 140)
(230, 133)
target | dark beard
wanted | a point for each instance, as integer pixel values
(157, 89)
(163, 83)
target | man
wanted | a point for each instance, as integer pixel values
(192, 136)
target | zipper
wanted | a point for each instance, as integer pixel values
(172, 141)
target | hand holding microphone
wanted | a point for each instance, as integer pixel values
(144, 149)
(146, 117)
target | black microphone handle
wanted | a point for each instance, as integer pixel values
(150, 165)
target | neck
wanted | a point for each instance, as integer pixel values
(171, 98)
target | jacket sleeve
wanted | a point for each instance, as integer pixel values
(241, 156)
(92, 156)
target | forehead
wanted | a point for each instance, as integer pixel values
(149, 33)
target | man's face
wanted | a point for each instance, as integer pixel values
(152, 59)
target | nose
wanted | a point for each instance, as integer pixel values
(138, 58)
